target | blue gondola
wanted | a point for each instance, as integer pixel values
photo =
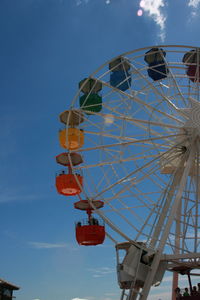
(120, 79)
(157, 72)
(120, 76)
(157, 66)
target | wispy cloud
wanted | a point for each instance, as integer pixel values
(101, 272)
(154, 9)
(79, 2)
(18, 194)
(7, 198)
(42, 245)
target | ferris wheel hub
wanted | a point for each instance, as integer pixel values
(192, 116)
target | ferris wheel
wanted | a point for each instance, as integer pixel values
(132, 142)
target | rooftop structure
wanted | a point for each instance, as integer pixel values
(6, 290)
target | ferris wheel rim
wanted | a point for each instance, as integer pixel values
(127, 53)
(105, 64)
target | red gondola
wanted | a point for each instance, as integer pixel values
(90, 235)
(192, 61)
(92, 231)
(193, 73)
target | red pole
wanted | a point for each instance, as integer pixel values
(89, 212)
(174, 285)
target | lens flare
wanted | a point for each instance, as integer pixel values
(142, 3)
(140, 12)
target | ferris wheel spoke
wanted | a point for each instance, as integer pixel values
(175, 83)
(104, 163)
(135, 120)
(122, 216)
(144, 104)
(146, 143)
(132, 139)
(128, 176)
(156, 90)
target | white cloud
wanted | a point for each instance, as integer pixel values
(39, 245)
(153, 8)
(167, 278)
(79, 299)
(163, 296)
(194, 5)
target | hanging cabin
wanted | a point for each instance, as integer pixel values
(192, 60)
(71, 118)
(90, 232)
(90, 85)
(69, 184)
(90, 101)
(71, 138)
(120, 76)
(157, 68)
(132, 267)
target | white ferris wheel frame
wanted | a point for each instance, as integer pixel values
(181, 128)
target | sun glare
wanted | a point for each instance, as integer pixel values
(142, 3)
(140, 12)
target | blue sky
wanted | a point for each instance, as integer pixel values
(47, 47)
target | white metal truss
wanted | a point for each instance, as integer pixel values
(141, 157)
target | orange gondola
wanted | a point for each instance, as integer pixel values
(71, 138)
(69, 184)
